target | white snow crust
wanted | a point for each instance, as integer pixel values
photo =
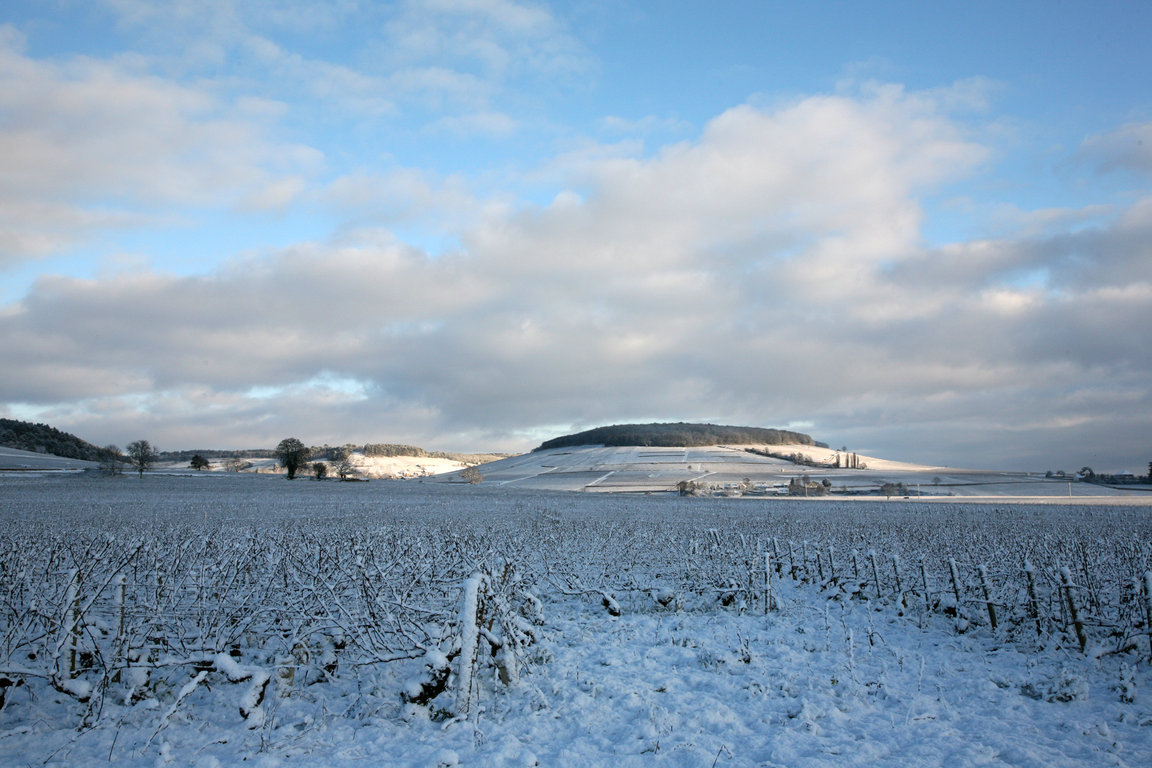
(833, 677)
(801, 687)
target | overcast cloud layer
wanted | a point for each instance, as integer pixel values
(226, 229)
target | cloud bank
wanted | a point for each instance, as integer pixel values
(771, 271)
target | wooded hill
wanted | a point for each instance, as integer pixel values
(679, 434)
(41, 438)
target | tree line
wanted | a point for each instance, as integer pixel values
(679, 435)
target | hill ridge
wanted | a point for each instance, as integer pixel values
(678, 434)
(41, 438)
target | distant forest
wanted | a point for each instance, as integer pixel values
(218, 453)
(679, 435)
(392, 450)
(41, 438)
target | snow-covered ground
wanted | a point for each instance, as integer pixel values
(817, 684)
(17, 460)
(403, 466)
(843, 672)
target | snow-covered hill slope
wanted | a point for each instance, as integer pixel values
(14, 459)
(736, 470)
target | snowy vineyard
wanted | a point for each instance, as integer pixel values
(120, 594)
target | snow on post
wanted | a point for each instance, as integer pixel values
(469, 622)
(68, 637)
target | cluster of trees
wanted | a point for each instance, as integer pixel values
(293, 455)
(138, 456)
(805, 486)
(1088, 475)
(677, 435)
(394, 449)
(894, 489)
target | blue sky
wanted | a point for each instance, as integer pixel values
(917, 229)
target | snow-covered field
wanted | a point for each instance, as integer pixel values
(634, 469)
(15, 459)
(220, 620)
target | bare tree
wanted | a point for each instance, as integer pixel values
(141, 456)
(292, 454)
(112, 459)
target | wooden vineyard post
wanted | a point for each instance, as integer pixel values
(955, 584)
(875, 571)
(121, 626)
(469, 621)
(70, 626)
(1066, 579)
(1033, 604)
(74, 632)
(767, 582)
(924, 582)
(1148, 609)
(983, 574)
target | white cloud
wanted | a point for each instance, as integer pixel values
(87, 144)
(770, 270)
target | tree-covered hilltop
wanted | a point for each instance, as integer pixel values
(679, 435)
(41, 438)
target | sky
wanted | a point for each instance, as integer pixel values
(921, 231)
